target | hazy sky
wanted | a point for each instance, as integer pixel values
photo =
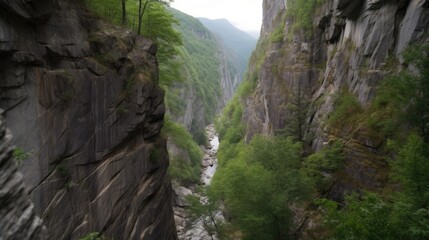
(244, 14)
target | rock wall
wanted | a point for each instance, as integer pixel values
(349, 49)
(208, 75)
(83, 101)
(229, 78)
(18, 219)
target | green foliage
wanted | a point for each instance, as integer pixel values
(19, 154)
(347, 107)
(298, 107)
(206, 207)
(400, 111)
(93, 236)
(360, 219)
(185, 168)
(230, 131)
(371, 217)
(199, 134)
(247, 87)
(278, 34)
(302, 13)
(175, 103)
(411, 169)
(154, 155)
(328, 161)
(157, 24)
(259, 185)
(201, 71)
(404, 98)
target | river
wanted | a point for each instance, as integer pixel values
(209, 160)
(185, 229)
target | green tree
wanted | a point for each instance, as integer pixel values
(142, 9)
(298, 108)
(365, 218)
(402, 100)
(260, 185)
(321, 166)
(401, 111)
(412, 168)
(205, 207)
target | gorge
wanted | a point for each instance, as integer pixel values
(324, 136)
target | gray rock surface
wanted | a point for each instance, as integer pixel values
(353, 45)
(18, 219)
(349, 49)
(82, 99)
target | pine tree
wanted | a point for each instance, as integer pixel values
(298, 108)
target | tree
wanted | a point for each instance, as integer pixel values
(298, 109)
(205, 207)
(403, 99)
(142, 8)
(124, 12)
(260, 185)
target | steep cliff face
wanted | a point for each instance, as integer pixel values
(209, 76)
(235, 48)
(230, 78)
(18, 219)
(83, 101)
(350, 47)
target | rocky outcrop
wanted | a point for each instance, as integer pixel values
(18, 219)
(270, 10)
(352, 46)
(83, 101)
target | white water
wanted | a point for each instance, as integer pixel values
(209, 166)
(209, 171)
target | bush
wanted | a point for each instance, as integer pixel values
(260, 184)
(318, 164)
(347, 110)
(302, 12)
(19, 154)
(187, 168)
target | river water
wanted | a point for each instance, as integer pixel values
(209, 160)
(185, 229)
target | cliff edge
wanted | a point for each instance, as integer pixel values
(82, 99)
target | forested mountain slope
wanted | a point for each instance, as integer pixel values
(339, 92)
(239, 43)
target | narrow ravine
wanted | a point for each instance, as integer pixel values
(209, 161)
(187, 230)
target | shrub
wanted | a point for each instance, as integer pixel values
(186, 171)
(347, 110)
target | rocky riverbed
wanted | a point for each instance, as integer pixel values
(187, 230)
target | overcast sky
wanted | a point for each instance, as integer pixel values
(244, 14)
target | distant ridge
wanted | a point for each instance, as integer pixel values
(235, 39)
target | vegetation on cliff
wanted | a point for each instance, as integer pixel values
(397, 117)
(185, 165)
(189, 73)
(399, 114)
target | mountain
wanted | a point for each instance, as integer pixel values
(238, 41)
(336, 100)
(86, 112)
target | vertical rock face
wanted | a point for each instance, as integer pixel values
(351, 46)
(229, 77)
(17, 216)
(83, 101)
(270, 10)
(209, 78)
